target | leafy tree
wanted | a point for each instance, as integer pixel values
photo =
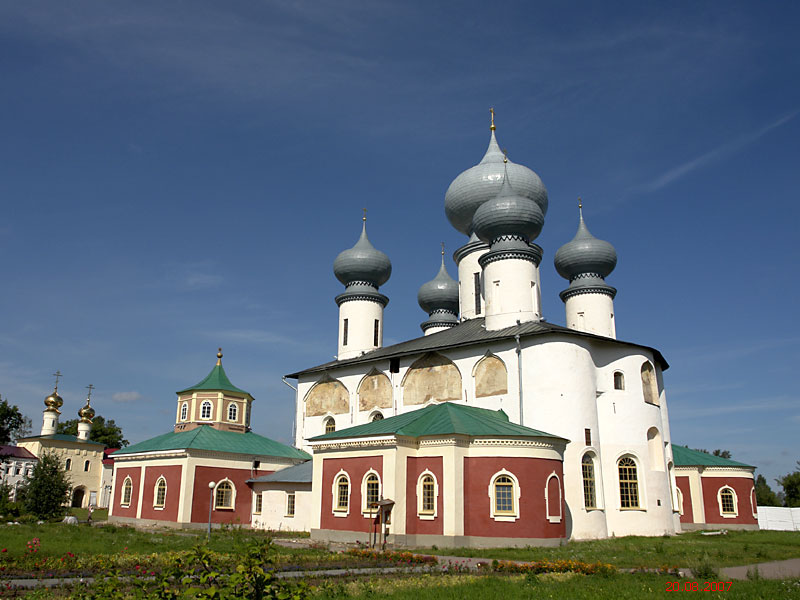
(717, 452)
(764, 494)
(791, 487)
(13, 424)
(47, 489)
(105, 432)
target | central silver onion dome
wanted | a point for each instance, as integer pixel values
(585, 254)
(362, 263)
(508, 214)
(482, 182)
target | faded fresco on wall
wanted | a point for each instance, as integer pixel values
(375, 391)
(432, 377)
(327, 396)
(491, 377)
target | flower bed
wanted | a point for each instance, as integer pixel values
(553, 566)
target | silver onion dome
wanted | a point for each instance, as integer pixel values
(508, 214)
(482, 182)
(585, 254)
(362, 263)
(440, 293)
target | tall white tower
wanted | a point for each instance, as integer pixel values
(589, 300)
(86, 414)
(50, 415)
(362, 269)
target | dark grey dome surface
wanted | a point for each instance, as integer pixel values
(362, 262)
(585, 254)
(508, 213)
(482, 182)
(440, 293)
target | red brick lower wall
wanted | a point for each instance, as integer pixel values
(243, 499)
(119, 478)
(355, 468)
(414, 468)
(683, 486)
(743, 486)
(172, 475)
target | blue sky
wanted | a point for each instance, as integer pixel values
(180, 176)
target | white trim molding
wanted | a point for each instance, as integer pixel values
(553, 518)
(504, 516)
(336, 509)
(427, 515)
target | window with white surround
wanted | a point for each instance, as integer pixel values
(233, 411)
(127, 492)
(330, 425)
(184, 411)
(341, 494)
(160, 493)
(552, 498)
(205, 410)
(427, 496)
(589, 488)
(377, 416)
(753, 503)
(619, 380)
(225, 495)
(628, 483)
(728, 505)
(504, 495)
(290, 504)
(370, 493)
(258, 503)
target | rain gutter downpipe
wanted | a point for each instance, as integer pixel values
(519, 377)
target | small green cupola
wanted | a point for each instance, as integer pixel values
(214, 401)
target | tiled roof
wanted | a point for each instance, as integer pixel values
(686, 457)
(468, 333)
(440, 419)
(61, 437)
(16, 452)
(215, 380)
(206, 437)
(295, 474)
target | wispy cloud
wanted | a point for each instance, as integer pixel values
(194, 275)
(759, 405)
(126, 396)
(712, 156)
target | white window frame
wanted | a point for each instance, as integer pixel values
(735, 512)
(233, 495)
(210, 410)
(156, 505)
(257, 510)
(597, 502)
(424, 515)
(554, 518)
(125, 483)
(293, 512)
(753, 502)
(508, 517)
(233, 406)
(338, 511)
(184, 415)
(614, 380)
(365, 510)
(640, 483)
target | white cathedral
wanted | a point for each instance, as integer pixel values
(586, 399)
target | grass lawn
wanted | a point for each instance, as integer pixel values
(99, 514)
(685, 550)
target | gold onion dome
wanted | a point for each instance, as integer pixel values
(87, 412)
(54, 401)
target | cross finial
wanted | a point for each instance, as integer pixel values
(57, 375)
(364, 218)
(89, 387)
(219, 357)
(505, 155)
(580, 207)
(442, 248)
(491, 112)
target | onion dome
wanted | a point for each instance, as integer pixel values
(54, 401)
(440, 293)
(482, 182)
(86, 413)
(362, 263)
(508, 214)
(585, 254)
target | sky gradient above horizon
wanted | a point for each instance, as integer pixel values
(180, 176)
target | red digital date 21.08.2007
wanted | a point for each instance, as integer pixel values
(698, 586)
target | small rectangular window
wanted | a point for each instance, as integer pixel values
(588, 434)
(258, 504)
(344, 333)
(375, 333)
(477, 293)
(290, 504)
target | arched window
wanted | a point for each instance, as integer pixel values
(727, 502)
(370, 492)
(160, 496)
(330, 425)
(589, 491)
(341, 494)
(649, 385)
(628, 483)
(223, 495)
(427, 494)
(86, 465)
(205, 410)
(68, 464)
(753, 502)
(619, 380)
(233, 411)
(127, 492)
(184, 411)
(504, 494)
(377, 417)
(552, 491)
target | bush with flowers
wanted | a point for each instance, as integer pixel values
(553, 566)
(392, 556)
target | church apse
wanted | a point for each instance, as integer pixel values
(375, 391)
(431, 378)
(328, 396)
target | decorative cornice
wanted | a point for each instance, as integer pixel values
(469, 248)
(606, 290)
(362, 295)
(429, 324)
(531, 253)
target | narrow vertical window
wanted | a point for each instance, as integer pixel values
(587, 434)
(628, 483)
(127, 492)
(372, 492)
(344, 333)
(161, 493)
(727, 501)
(342, 499)
(205, 410)
(258, 504)
(330, 425)
(428, 495)
(477, 293)
(619, 381)
(375, 333)
(184, 411)
(290, 499)
(503, 495)
(86, 466)
(233, 411)
(589, 494)
(68, 464)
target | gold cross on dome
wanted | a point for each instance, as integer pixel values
(57, 375)
(491, 112)
(89, 387)
(364, 218)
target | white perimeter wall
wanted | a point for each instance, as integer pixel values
(777, 518)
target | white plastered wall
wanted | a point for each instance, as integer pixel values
(466, 284)
(274, 504)
(361, 316)
(512, 293)
(592, 313)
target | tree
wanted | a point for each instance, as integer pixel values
(764, 494)
(105, 432)
(791, 487)
(13, 424)
(47, 489)
(717, 452)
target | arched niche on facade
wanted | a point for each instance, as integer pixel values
(328, 396)
(649, 383)
(491, 377)
(375, 391)
(432, 378)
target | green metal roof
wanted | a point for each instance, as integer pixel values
(206, 437)
(686, 457)
(61, 437)
(216, 380)
(441, 419)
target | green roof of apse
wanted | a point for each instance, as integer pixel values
(686, 457)
(61, 437)
(441, 419)
(215, 380)
(206, 437)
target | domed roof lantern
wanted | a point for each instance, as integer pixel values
(87, 413)
(440, 293)
(362, 263)
(482, 182)
(585, 254)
